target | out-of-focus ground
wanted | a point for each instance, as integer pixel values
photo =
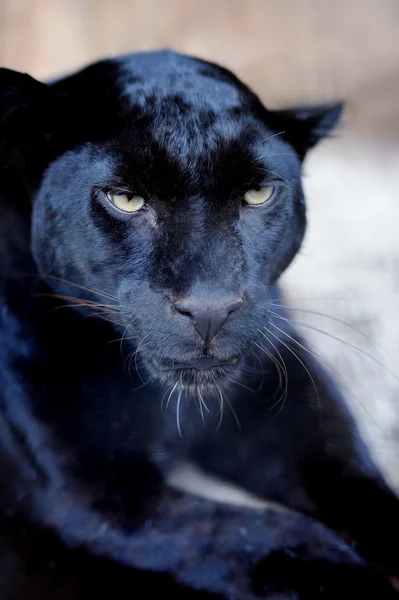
(289, 51)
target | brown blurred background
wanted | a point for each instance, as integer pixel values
(288, 51)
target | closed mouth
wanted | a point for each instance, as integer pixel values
(200, 363)
(205, 372)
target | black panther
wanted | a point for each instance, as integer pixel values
(149, 204)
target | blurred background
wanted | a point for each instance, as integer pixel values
(289, 51)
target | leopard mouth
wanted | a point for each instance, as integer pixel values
(202, 371)
(204, 362)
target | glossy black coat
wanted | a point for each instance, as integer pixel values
(94, 411)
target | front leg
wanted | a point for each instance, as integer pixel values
(304, 450)
(125, 523)
(191, 545)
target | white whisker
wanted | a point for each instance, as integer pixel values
(221, 408)
(202, 405)
(332, 317)
(171, 394)
(323, 364)
(178, 413)
(344, 342)
(284, 393)
(303, 365)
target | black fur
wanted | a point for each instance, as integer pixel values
(85, 447)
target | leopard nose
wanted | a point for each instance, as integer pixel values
(208, 319)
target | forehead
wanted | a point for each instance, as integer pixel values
(177, 121)
(191, 117)
(173, 96)
(167, 73)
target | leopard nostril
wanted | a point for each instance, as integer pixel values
(208, 319)
(183, 310)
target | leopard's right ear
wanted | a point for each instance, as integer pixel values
(304, 126)
(30, 115)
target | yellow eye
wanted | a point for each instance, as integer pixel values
(126, 203)
(260, 196)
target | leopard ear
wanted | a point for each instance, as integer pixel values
(304, 126)
(29, 116)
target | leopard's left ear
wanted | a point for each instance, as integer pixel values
(305, 126)
(30, 116)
